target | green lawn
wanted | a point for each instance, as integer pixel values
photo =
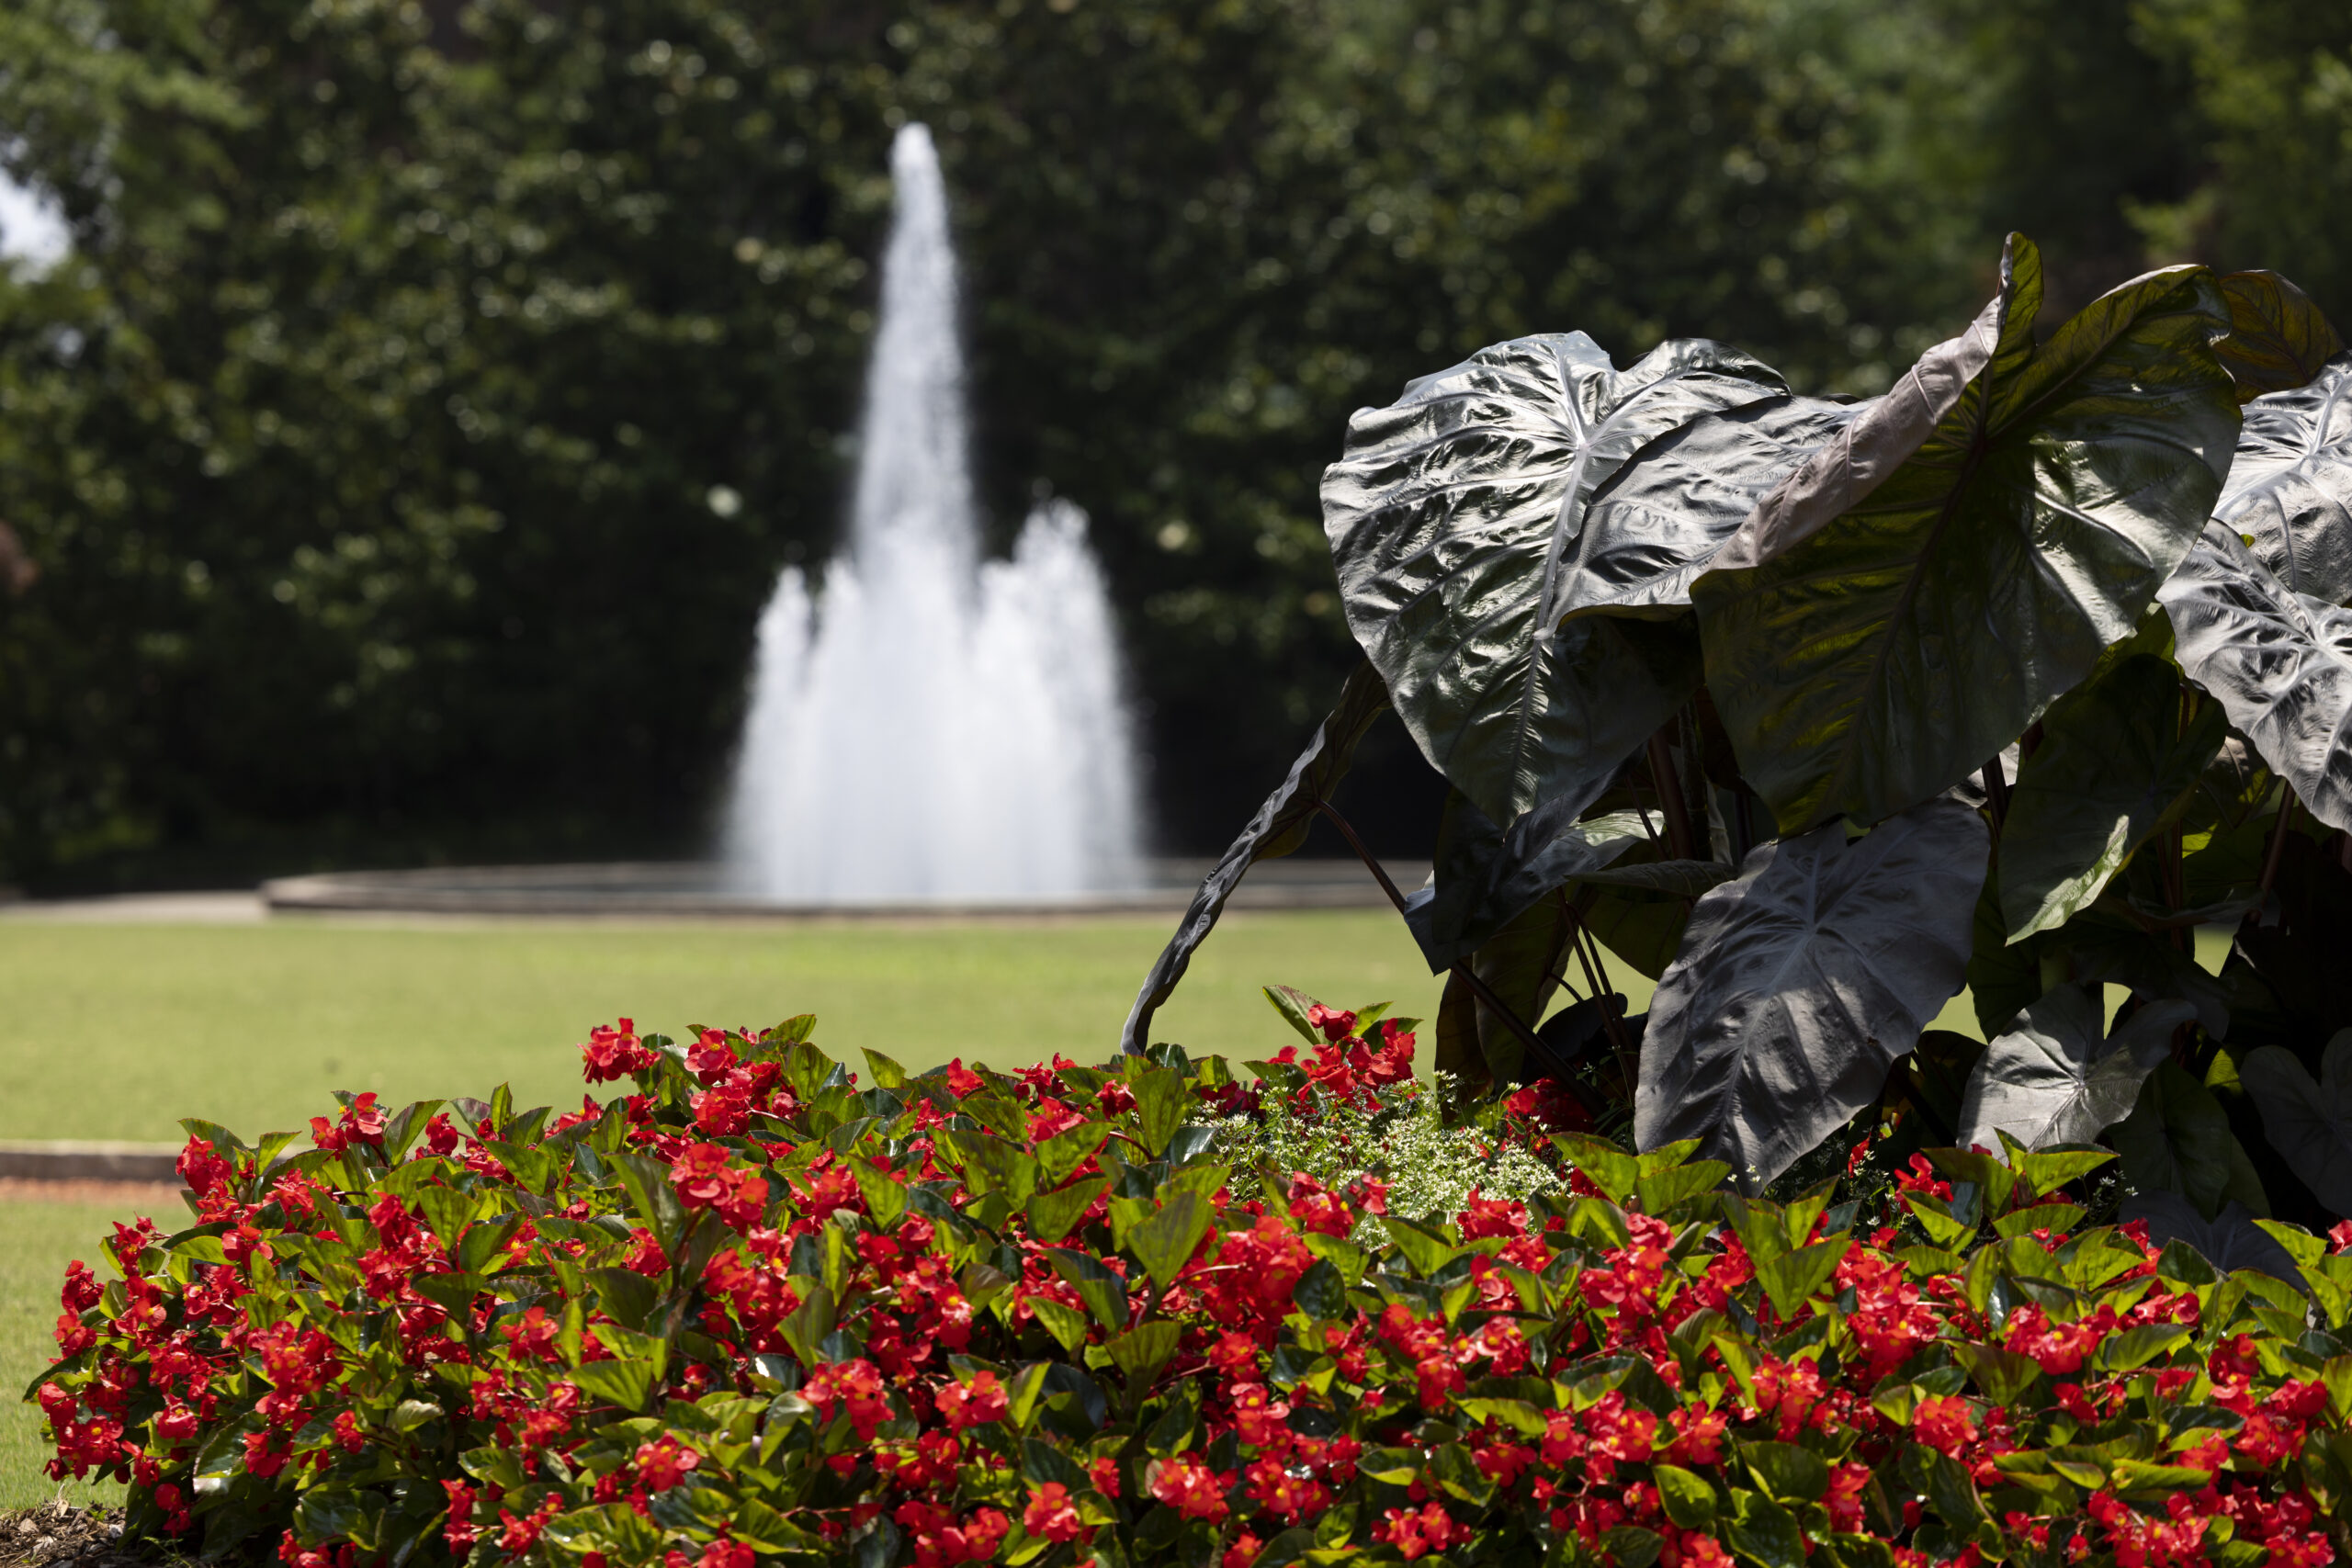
(36, 1240)
(116, 1031)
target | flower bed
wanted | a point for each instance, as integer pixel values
(755, 1308)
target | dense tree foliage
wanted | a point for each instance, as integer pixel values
(434, 391)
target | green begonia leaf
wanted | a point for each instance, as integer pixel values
(1450, 519)
(1908, 601)
(2309, 1124)
(1799, 985)
(2058, 1077)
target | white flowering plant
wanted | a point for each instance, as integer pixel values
(1353, 1119)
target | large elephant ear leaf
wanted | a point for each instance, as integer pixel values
(2309, 1124)
(2279, 661)
(2118, 758)
(1799, 985)
(2058, 1077)
(1908, 599)
(1450, 518)
(2178, 1139)
(2278, 337)
(2289, 492)
(1279, 828)
(1659, 524)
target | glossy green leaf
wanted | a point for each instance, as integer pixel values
(1659, 523)
(2278, 338)
(2289, 492)
(1800, 984)
(1788, 1472)
(2115, 763)
(2178, 1139)
(1905, 603)
(2279, 661)
(1451, 520)
(1796, 1278)
(1687, 1498)
(2002, 1375)
(2056, 1077)
(1051, 1215)
(2309, 1124)
(1066, 1150)
(1278, 829)
(1764, 1532)
(1143, 1350)
(625, 1382)
(1164, 1243)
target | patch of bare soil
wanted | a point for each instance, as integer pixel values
(54, 1535)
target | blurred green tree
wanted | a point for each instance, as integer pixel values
(433, 391)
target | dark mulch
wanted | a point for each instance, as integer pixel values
(56, 1534)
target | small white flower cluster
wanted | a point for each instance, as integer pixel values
(1404, 1141)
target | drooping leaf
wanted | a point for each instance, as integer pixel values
(2309, 1124)
(2178, 1139)
(1279, 828)
(1905, 603)
(2278, 337)
(1485, 878)
(2279, 661)
(2115, 761)
(2230, 1240)
(2290, 490)
(1450, 519)
(1799, 985)
(1659, 523)
(2057, 1077)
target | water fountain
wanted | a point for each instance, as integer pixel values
(930, 732)
(933, 726)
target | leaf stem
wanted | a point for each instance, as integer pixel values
(1996, 792)
(1669, 785)
(1476, 986)
(2278, 850)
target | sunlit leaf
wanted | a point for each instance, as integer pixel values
(2279, 661)
(1451, 520)
(2058, 1077)
(1911, 598)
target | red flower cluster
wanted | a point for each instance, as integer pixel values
(752, 1309)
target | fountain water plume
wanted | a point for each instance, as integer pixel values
(934, 726)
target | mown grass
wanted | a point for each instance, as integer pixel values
(116, 1031)
(36, 1240)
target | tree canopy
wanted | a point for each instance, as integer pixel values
(399, 459)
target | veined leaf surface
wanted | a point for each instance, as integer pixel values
(1912, 597)
(2114, 763)
(2279, 661)
(1798, 985)
(2058, 1077)
(1450, 519)
(2290, 489)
